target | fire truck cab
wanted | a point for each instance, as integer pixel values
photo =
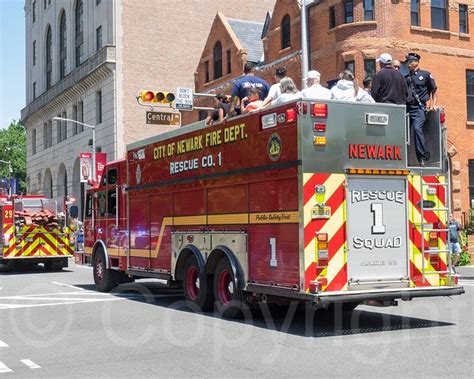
(318, 201)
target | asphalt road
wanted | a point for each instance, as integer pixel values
(56, 325)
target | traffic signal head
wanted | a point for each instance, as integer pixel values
(156, 97)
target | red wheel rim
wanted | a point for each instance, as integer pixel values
(99, 270)
(191, 283)
(223, 284)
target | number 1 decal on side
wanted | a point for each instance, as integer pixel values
(378, 227)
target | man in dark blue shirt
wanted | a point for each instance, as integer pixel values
(421, 99)
(243, 85)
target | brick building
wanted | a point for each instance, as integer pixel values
(87, 60)
(352, 33)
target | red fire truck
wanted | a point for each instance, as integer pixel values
(314, 201)
(34, 230)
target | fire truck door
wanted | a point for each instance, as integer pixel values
(113, 227)
(376, 231)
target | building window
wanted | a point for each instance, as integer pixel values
(64, 126)
(34, 53)
(61, 128)
(33, 7)
(97, 2)
(62, 46)
(470, 94)
(98, 107)
(348, 11)
(79, 13)
(229, 62)
(349, 65)
(415, 12)
(98, 37)
(285, 27)
(439, 15)
(47, 134)
(44, 4)
(332, 17)
(470, 166)
(49, 58)
(217, 60)
(369, 67)
(80, 116)
(463, 19)
(368, 10)
(33, 142)
(74, 117)
(206, 71)
(34, 90)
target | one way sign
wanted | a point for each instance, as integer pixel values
(184, 99)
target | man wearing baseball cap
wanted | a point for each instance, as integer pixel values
(389, 86)
(314, 89)
(421, 99)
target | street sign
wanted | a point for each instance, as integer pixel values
(163, 118)
(184, 99)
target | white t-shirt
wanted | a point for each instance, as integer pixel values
(274, 91)
(286, 97)
(316, 92)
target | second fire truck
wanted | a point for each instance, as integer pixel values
(314, 201)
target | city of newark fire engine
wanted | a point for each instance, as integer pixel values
(311, 201)
(34, 230)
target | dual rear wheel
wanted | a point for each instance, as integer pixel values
(206, 290)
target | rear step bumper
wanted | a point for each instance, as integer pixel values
(358, 296)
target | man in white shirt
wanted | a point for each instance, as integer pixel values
(314, 89)
(275, 91)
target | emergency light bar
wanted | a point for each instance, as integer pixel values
(370, 171)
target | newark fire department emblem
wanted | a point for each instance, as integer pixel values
(274, 147)
(138, 174)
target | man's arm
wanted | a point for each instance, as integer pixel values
(376, 88)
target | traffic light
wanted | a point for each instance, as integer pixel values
(156, 97)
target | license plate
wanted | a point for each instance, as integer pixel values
(321, 212)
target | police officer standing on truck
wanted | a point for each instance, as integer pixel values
(421, 99)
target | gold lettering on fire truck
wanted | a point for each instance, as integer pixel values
(212, 138)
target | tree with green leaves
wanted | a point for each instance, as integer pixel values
(13, 149)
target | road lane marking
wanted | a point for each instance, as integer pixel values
(4, 368)
(19, 306)
(68, 285)
(29, 363)
(3, 344)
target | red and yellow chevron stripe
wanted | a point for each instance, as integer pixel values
(431, 219)
(333, 276)
(35, 241)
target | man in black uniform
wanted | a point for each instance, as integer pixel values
(389, 86)
(421, 99)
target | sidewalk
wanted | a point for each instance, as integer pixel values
(466, 272)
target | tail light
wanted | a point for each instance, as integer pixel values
(442, 117)
(319, 127)
(322, 249)
(433, 239)
(291, 115)
(319, 110)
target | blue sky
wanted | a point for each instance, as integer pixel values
(12, 60)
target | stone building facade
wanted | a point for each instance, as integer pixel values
(87, 60)
(352, 33)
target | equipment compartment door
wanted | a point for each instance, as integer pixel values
(376, 230)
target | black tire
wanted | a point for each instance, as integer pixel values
(197, 285)
(104, 279)
(55, 264)
(228, 298)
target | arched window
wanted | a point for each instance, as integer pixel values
(49, 58)
(285, 32)
(217, 60)
(62, 46)
(79, 13)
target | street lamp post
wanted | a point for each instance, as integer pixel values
(10, 172)
(93, 140)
